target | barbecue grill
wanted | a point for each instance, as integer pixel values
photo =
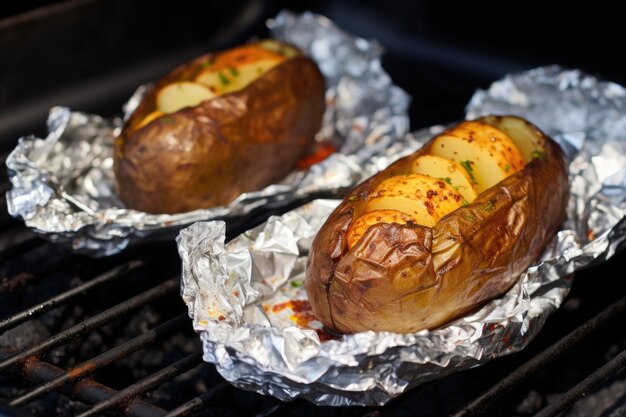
(111, 336)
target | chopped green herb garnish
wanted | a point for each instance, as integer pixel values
(223, 79)
(465, 203)
(446, 179)
(167, 120)
(205, 64)
(233, 71)
(296, 284)
(490, 205)
(468, 167)
(507, 168)
(537, 154)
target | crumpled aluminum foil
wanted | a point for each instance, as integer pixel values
(64, 186)
(248, 303)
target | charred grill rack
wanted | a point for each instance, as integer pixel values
(80, 336)
(85, 337)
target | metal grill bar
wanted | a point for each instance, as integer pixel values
(146, 384)
(199, 402)
(585, 386)
(10, 284)
(87, 391)
(529, 368)
(113, 274)
(93, 322)
(106, 358)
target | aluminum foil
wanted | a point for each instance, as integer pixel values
(64, 188)
(246, 297)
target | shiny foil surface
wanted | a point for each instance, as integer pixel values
(64, 185)
(248, 303)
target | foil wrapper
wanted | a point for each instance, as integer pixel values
(64, 185)
(247, 300)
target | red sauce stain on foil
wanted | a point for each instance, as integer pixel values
(321, 152)
(303, 316)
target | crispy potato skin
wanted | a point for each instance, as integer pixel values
(405, 278)
(208, 155)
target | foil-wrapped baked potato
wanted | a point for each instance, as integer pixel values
(440, 232)
(221, 125)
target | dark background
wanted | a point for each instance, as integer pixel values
(91, 54)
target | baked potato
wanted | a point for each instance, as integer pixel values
(411, 249)
(221, 125)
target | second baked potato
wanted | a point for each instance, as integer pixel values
(221, 125)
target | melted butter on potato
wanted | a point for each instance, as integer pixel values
(364, 222)
(447, 170)
(487, 154)
(424, 198)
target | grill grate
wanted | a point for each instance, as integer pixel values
(78, 382)
(535, 364)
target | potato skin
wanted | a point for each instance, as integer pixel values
(405, 278)
(208, 155)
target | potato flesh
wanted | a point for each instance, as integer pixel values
(447, 170)
(529, 144)
(360, 226)
(471, 157)
(176, 96)
(424, 198)
(486, 153)
(279, 48)
(234, 79)
(150, 117)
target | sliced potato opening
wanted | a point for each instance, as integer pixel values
(280, 48)
(529, 143)
(424, 198)
(487, 154)
(447, 170)
(150, 117)
(232, 79)
(463, 162)
(246, 54)
(176, 96)
(227, 72)
(364, 222)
